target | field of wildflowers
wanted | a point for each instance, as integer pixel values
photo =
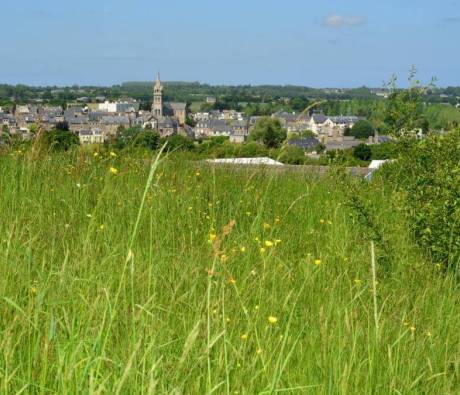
(126, 274)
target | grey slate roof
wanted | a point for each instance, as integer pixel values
(305, 143)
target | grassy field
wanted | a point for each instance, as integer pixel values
(119, 274)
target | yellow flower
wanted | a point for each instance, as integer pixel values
(212, 237)
(33, 290)
(243, 249)
(412, 329)
(357, 281)
(223, 258)
(272, 320)
(259, 351)
(248, 213)
(317, 262)
(267, 226)
(113, 154)
(197, 173)
(329, 222)
(95, 154)
(262, 250)
(277, 241)
(268, 243)
(102, 227)
(244, 336)
(428, 333)
(277, 219)
(232, 280)
(190, 208)
(114, 170)
(321, 221)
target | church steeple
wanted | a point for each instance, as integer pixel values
(157, 105)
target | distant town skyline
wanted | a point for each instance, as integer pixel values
(315, 44)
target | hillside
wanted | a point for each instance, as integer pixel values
(198, 279)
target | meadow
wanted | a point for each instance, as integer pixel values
(125, 274)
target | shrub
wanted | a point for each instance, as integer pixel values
(60, 139)
(292, 155)
(362, 152)
(427, 180)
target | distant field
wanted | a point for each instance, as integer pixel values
(196, 106)
(206, 280)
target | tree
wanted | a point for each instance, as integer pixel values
(178, 142)
(362, 129)
(63, 125)
(60, 139)
(292, 155)
(362, 152)
(405, 108)
(147, 139)
(268, 131)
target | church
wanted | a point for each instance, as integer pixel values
(166, 118)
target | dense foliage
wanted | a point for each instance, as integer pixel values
(427, 180)
(268, 131)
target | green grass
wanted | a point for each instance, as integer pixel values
(111, 284)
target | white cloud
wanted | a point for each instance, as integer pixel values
(338, 21)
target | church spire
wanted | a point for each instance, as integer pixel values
(157, 105)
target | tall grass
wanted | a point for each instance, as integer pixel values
(209, 280)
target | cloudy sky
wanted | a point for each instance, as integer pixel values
(315, 43)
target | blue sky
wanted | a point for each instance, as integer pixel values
(322, 43)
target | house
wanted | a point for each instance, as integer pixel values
(90, 136)
(307, 143)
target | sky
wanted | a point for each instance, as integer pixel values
(322, 43)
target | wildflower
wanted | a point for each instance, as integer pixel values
(33, 290)
(113, 154)
(114, 170)
(212, 236)
(256, 307)
(243, 249)
(102, 227)
(272, 320)
(227, 319)
(197, 173)
(405, 323)
(95, 154)
(428, 333)
(266, 226)
(78, 185)
(268, 243)
(262, 250)
(89, 215)
(223, 258)
(357, 281)
(412, 329)
(244, 336)
(259, 351)
(277, 241)
(248, 213)
(277, 219)
(321, 221)
(232, 280)
(253, 272)
(190, 208)
(329, 222)
(317, 262)
(256, 238)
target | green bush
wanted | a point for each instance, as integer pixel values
(292, 155)
(427, 181)
(362, 152)
(60, 139)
